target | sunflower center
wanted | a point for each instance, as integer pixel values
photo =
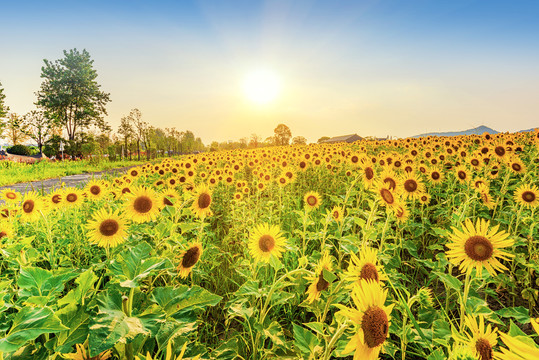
(71, 197)
(528, 196)
(482, 346)
(56, 199)
(369, 272)
(266, 243)
(95, 190)
(387, 196)
(336, 214)
(166, 201)
(28, 206)
(322, 284)
(462, 175)
(516, 167)
(392, 183)
(435, 176)
(143, 204)
(109, 227)
(475, 162)
(478, 248)
(369, 173)
(354, 159)
(375, 325)
(191, 256)
(2, 234)
(11, 195)
(204, 200)
(126, 190)
(311, 200)
(410, 185)
(499, 150)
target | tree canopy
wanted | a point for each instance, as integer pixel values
(282, 134)
(70, 94)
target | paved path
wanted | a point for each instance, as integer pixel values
(71, 180)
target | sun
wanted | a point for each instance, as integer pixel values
(261, 86)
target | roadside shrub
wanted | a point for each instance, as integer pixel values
(19, 150)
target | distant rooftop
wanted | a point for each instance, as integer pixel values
(344, 138)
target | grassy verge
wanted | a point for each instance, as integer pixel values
(13, 173)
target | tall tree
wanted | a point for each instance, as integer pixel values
(4, 109)
(16, 130)
(70, 94)
(127, 132)
(299, 140)
(38, 127)
(255, 140)
(282, 134)
(135, 117)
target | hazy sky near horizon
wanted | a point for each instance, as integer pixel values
(375, 68)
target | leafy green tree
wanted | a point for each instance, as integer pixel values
(127, 132)
(323, 138)
(70, 94)
(16, 129)
(4, 109)
(38, 127)
(282, 135)
(299, 140)
(135, 118)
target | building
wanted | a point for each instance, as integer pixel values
(345, 138)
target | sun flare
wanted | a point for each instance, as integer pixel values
(261, 86)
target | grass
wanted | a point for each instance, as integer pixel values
(13, 173)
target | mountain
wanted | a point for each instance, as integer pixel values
(475, 131)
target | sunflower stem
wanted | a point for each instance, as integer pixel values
(464, 300)
(334, 338)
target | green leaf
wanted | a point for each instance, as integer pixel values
(40, 282)
(329, 276)
(441, 332)
(520, 314)
(275, 333)
(77, 322)
(133, 265)
(304, 340)
(437, 354)
(171, 329)
(27, 325)
(85, 282)
(106, 329)
(450, 281)
(181, 302)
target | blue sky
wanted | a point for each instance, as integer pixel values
(371, 67)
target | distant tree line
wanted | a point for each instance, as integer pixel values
(69, 116)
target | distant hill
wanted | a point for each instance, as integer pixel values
(475, 131)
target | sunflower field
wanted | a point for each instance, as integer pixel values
(399, 249)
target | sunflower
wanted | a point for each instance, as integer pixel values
(365, 267)
(31, 207)
(372, 319)
(435, 176)
(478, 246)
(389, 178)
(337, 213)
(107, 228)
(462, 174)
(481, 340)
(401, 212)
(95, 190)
(134, 172)
(189, 258)
(202, 201)
(518, 349)
(6, 230)
(318, 283)
(478, 181)
(142, 205)
(387, 197)
(238, 196)
(413, 187)
(72, 197)
(368, 174)
(55, 199)
(516, 165)
(527, 195)
(312, 200)
(424, 199)
(169, 197)
(10, 196)
(484, 194)
(266, 240)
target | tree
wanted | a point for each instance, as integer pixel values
(3, 109)
(255, 140)
(127, 132)
(147, 135)
(282, 134)
(135, 118)
(38, 127)
(323, 138)
(16, 129)
(70, 94)
(299, 140)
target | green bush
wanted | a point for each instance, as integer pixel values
(19, 150)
